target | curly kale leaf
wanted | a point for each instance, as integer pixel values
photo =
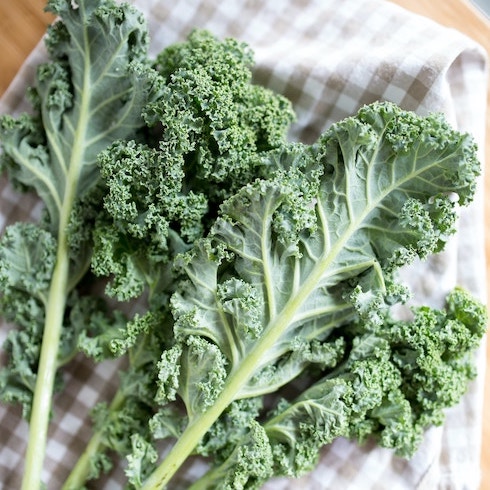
(209, 127)
(146, 219)
(27, 258)
(297, 255)
(208, 115)
(249, 465)
(91, 92)
(396, 380)
(287, 250)
(97, 49)
(412, 367)
(214, 111)
(434, 354)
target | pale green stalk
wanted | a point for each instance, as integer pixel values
(55, 307)
(48, 364)
(200, 424)
(79, 473)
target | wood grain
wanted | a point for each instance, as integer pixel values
(23, 22)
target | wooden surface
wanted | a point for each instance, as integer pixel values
(22, 23)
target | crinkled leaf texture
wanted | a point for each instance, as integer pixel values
(209, 127)
(294, 257)
(396, 381)
(279, 264)
(91, 92)
(85, 97)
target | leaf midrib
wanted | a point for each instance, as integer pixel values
(279, 324)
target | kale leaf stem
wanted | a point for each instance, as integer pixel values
(55, 308)
(48, 363)
(80, 472)
(201, 423)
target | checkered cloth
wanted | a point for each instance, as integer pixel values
(328, 57)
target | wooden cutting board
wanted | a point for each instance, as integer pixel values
(23, 22)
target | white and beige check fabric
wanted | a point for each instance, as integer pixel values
(328, 57)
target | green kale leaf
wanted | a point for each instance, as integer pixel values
(91, 92)
(207, 130)
(296, 257)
